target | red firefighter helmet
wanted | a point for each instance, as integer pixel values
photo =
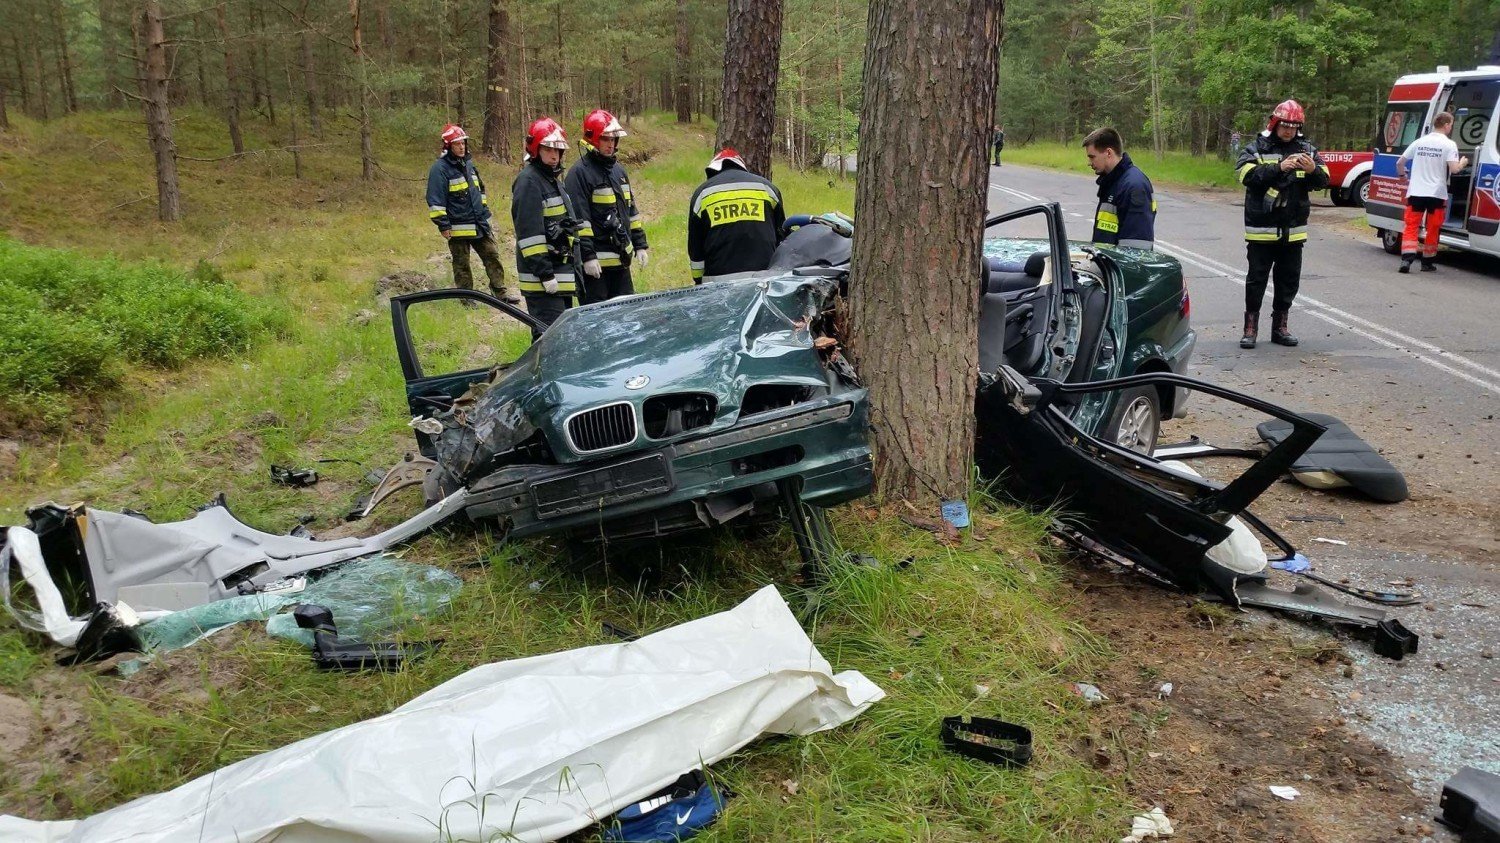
(453, 132)
(1288, 112)
(545, 132)
(601, 124)
(726, 155)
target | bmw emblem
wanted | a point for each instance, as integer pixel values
(637, 382)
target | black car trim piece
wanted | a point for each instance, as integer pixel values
(784, 424)
(605, 486)
(411, 367)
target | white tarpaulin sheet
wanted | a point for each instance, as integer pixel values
(536, 748)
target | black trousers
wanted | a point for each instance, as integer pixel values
(1277, 261)
(612, 283)
(545, 308)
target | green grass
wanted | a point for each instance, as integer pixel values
(987, 612)
(1179, 169)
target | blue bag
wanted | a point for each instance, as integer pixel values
(672, 814)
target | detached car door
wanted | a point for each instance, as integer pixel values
(447, 340)
(1156, 517)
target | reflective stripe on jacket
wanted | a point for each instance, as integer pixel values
(734, 224)
(456, 200)
(1276, 202)
(600, 193)
(1126, 215)
(544, 222)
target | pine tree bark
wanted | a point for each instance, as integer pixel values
(109, 48)
(500, 131)
(153, 61)
(4, 109)
(684, 64)
(39, 70)
(231, 84)
(752, 59)
(460, 102)
(929, 94)
(64, 59)
(366, 140)
(200, 60)
(25, 87)
(310, 78)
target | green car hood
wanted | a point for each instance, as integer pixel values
(718, 338)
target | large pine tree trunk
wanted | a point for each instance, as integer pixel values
(4, 109)
(684, 63)
(231, 84)
(22, 84)
(40, 72)
(152, 40)
(500, 133)
(752, 58)
(929, 94)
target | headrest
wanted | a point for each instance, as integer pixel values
(1036, 263)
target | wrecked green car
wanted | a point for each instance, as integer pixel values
(647, 415)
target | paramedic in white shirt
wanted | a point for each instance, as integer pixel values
(1430, 160)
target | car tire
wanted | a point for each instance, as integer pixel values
(1359, 192)
(1135, 423)
(1339, 196)
(1390, 240)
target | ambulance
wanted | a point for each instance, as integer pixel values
(1473, 219)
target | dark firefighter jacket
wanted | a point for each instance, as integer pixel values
(734, 224)
(1276, 202)
(545, 229)
(610, 225)
(455, 197)
(1126, 215)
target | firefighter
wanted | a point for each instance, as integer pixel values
(1279, 169)
(457, 204)
(610, 237)
(1126, 215)
(734, 221)
(546, 227)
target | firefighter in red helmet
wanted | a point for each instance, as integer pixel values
(458, 205)
(612, 237)
(1279, 169)
(546, 227)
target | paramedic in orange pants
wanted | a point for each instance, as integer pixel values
(1431, 159)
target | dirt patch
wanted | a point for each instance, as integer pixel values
(1250, 706)
(402, 282)
(17, 726)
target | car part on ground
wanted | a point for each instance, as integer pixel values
(109, 563)
(530, 749)
(329, 652)
(1340, 459)
(988, 740)
(1471, 805)
(295, 477)
(411, 471)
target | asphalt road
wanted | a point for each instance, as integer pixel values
(1412, 364)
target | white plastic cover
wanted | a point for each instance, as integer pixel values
(536, 748)
(1241, 552)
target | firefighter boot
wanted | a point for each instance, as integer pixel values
(1252, 327)
(1279, 333)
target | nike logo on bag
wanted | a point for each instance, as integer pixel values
(682, 818)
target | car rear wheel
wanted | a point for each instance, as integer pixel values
(1390, 241)
(1338, 195)
(1136, 421)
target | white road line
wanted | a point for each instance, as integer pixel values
(1025, 197)
(1317, 309)
(1374, 326)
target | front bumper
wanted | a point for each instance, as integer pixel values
(822, 445)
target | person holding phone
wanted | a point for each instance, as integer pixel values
(1280, 168)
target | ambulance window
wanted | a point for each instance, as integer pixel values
(1472, 104)
(1401, 126)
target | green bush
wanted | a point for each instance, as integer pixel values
(72, 323)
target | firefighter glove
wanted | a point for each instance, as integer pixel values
(550, 286)
(643, 257)
(592, 269)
